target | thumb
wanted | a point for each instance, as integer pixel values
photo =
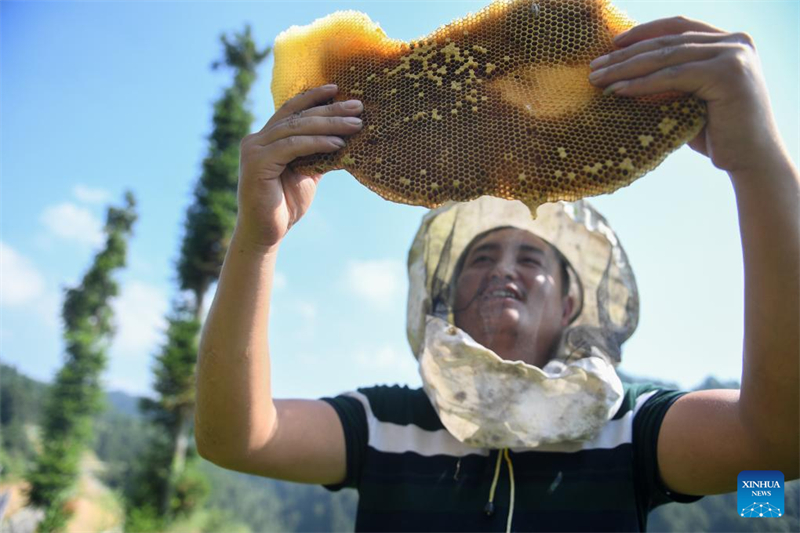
(698, 144)
(299, 191)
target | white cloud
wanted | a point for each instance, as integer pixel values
(20, 280)
(139, 315)
(377, 281)
(89, 195)
(71, 222)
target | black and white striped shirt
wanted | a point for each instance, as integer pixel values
(412, 475)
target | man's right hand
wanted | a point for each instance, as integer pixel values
(273, 197)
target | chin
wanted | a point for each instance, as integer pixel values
(505, 326)
(503, 314)
(498, 333)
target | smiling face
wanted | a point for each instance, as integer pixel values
(509, 296)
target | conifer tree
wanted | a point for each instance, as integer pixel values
(76, 395)
(212, 215)
(176, 486)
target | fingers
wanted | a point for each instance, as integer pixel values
(670, 62)
(650, 62)
(284, 151)
(300, 128)
(658, 43)
(685, 77)
(303, 101)
(314, 125)
(300, 116)
(350, 108)
(657, 28)
(336, 109)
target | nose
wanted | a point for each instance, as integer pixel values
(503, 269)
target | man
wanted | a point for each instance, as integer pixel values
(699, 441)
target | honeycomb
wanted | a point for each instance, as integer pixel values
(496, 103)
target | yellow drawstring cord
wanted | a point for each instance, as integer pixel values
(489, 509)
(511, 504)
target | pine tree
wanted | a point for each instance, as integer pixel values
(76, 395)
(210, 219)
(175, 484)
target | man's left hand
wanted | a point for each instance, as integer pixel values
(723, 69)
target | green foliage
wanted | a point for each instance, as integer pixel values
(75, 396)
(54, 472)
(123, 403)
(21, 405)
(271, 505)
(312, 508)
(212, 216)
(143, 520)
(221, 520)
(208, 521)
(21, 398)
(174, 369)
(174, 383)
(119, 441)
(147, 480)
(55, 518)
(252, 499)
(144, 491)
(191, 490)
(176, 486)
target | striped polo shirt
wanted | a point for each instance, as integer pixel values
(412, 475)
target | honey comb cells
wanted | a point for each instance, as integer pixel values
(496, 103)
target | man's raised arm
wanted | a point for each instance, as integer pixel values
(708, 437)
(237, 423)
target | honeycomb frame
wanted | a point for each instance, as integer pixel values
(495, 103)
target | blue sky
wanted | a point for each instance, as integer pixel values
(100, 97)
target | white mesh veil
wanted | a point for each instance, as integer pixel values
(484, 400)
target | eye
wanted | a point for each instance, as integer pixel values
(531, 260)
(481, 259)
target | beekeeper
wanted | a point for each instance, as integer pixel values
(522, 422)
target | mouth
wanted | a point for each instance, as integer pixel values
(510, 292)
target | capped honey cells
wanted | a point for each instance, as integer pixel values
(496, 103)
